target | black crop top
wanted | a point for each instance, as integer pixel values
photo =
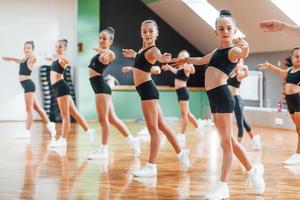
(57, 68)
(24, 70)
(232, 81)
(221, 61)
(293, 78)
(180, 75)
(96, 65)
(141, 63)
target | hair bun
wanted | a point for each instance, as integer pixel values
(225, 13)
(65, 40)
(111, 29)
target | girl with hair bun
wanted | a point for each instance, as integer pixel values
(103, 100)
(144, 60)
(221, 62)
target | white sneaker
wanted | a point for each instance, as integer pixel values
(60, 143)
(147, 171)
(185, 159)
(60, 151)
(91, 134)
(136, 147)
(256, 142)
(100, 154)
(293, 159)
(256, 178)
(25, 135)
(51, 129)
(220, 191)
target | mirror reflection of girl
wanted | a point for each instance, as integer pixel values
(65, 102)
(182, 74)
(27, 64)
(104, 104)
(292, 93)
(145, 58)
(234, 81)
(221, 62)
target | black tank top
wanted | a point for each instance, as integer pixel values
(96, 65)
(57, 68)
(221, 61)
(293, 78)
(232, 81)
(180, 75)
(141, 63)
(24, 70)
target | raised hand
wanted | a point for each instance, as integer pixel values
(166, 57)
(264, 66)
(5, 58)
(240, 42)
(129, 53)
(178, 62)
(165, 67)
(271, 26)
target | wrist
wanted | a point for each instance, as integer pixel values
(134, 54)
(186, 60)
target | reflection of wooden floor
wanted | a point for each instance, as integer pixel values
(30, 171)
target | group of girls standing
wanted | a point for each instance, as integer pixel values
(223, 76)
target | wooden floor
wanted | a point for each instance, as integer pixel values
(29, 170)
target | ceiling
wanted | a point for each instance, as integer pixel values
(248, 14)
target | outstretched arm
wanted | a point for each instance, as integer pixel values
(129, 53)
(192, 60)
(275, 69)
(277, 26)
(16, 60)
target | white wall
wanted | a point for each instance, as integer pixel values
(44, 22)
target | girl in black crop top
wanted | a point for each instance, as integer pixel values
(292, 93)
(234, 81)
(144, 60)
(182, 75)
(104, 103)
(64, 100)
(26, 66)
(220, 63)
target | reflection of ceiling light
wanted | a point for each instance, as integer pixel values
(290, 9)
(207, 12)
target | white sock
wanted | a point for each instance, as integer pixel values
(130, 139)
(222, 183)
(179, 154)
(104, 147)
(151, 165)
